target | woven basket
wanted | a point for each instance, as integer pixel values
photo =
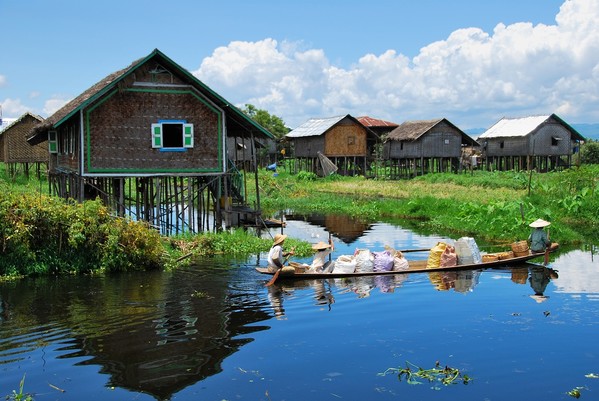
(520, 246)
(490, 257)
(523, 253)
(505, 255)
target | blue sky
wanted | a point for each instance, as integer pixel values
(470, 61)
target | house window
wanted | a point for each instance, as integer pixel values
(501, 144)
(555, 140)
(351, 140)
(446, 141)
(172, 135)
(52, 142)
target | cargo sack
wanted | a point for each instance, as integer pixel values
(399, 262)
(467, 251)
(434, 256)
(364, 260)
(449, 257)
(345, 264)
(383, 261)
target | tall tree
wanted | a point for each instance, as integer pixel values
(275, 125)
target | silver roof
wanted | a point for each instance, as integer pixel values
(512, 127)
(315, 127)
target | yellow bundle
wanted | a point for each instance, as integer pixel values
(434, 256)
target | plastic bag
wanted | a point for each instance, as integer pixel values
(383, 261)
(467, 251)
(399, 262)
(449, 257)
(434, 257)
(345, 264)
(364, 260)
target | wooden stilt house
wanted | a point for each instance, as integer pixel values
(342, 139)
(424, 146)
(150, 140)
(16, 153)
(542, 142)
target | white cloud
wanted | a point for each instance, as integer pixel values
(13, 107)
(2, 80)
(53, 104)
(474, 76)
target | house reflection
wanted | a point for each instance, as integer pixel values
(344, 227)
(154, 333)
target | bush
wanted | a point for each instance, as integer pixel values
(42, 234)
(589, 153)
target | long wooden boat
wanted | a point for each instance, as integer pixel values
(415, 266)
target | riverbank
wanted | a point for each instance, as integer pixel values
(47, 235)
(494, 206)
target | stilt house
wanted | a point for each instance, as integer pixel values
(347, 143)
(419, 147)
(536, 142)
(150, 140)
(378, 126)
(16, 153)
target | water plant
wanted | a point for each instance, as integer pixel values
(437, 375)
(20, 396)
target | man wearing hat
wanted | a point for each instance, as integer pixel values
(539, 240)
(276, 254)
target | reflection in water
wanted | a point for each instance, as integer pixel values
(169, 334)
(153, 333)
(540, 276)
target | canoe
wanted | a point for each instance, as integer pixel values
(415, 266)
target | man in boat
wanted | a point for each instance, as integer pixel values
(276, 255)
(539, 239)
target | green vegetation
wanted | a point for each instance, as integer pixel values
(589, 152)
(20, 396)
(493, 206)
(46, 235)
(415, 375)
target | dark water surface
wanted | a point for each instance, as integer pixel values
(215, 332)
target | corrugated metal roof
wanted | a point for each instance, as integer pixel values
(315, 127)
(514, 127)
(375, 122)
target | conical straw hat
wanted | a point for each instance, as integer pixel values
(539, 223)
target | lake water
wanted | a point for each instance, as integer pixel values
(213, 331)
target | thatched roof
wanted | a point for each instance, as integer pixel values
(523, 126)
(8, 123)
(413, 130)
(234, 116)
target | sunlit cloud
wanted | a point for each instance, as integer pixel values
(472, 75)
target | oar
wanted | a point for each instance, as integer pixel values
(276, 275)
(415, 250)
(546, 259)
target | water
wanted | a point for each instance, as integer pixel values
(215, 332)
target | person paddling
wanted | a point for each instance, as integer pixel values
(276, 255)
(539, 239)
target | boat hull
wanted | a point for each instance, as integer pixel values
(418, 266)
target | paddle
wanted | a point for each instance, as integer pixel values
(276, 275)
(547, 248)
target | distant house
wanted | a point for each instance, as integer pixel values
(151, 140)
(15, 152)
(419, 147)
(347, 143)
(378, 126)
(536, 142)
